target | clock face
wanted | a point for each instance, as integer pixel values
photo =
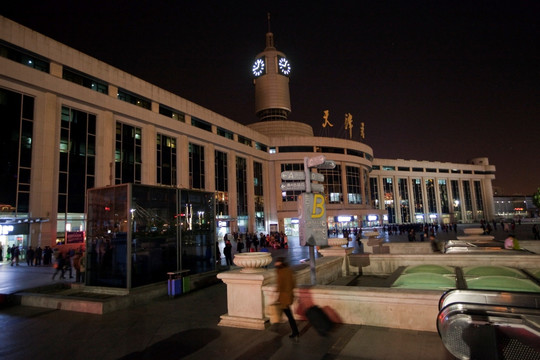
(284, 66)
(258, 67)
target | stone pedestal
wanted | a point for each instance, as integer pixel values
(341, 252)
(245, 302)
(374, 243)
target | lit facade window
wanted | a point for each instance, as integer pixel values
(128, 154)
(166, 160)
(76, 173)
(389, 205)
(443, 194)
(467, 198)
(374, 191)
(17, 113)
(430, 194)
(196, 167)
(456, 204)
(404, 206)
(221, 183)
(241, 193)
(333, 184)
(418, 200)
(479, 202)
(259, 196)
(354, 190)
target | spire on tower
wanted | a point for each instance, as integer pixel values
(269, 35)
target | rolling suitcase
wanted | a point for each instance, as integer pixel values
(319, 320)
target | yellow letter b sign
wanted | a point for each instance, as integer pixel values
(312, 214)
(318, 210)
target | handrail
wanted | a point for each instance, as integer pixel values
(490, 297)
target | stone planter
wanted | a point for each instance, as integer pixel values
(252, 262)
(371, 234)
(337, 242)
(473, 231)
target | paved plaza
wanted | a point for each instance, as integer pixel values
(186, 328)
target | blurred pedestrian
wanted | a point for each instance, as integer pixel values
(77, 266)
(59, 265)
(285, 287)
(82, 266)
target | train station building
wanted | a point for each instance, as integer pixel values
(72, 123)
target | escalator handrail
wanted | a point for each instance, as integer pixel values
(491, 297)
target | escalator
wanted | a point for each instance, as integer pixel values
(480, 324)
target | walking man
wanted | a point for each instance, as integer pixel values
(285, 286)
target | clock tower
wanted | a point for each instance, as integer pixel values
(271, 70)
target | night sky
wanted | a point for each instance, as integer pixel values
(432, 80)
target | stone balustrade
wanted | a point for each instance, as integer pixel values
(249, 293)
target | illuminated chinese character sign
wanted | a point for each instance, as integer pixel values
(312, 216)
(349, 124)
(325, 117)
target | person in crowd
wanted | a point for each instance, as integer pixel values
(68, 266)
(47, 256)
(82, 266)
(255, 242)
(239, 245)
(30, 256)
(77, 266)
(412, 235)
(248, 242)
(285, 287)
(15, 253)
(511, 242)
(38, 256)
(227, 251)
(536, 232)
(60, 266)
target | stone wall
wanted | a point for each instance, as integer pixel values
(384, 307)
(424, 247)
(384, 264)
